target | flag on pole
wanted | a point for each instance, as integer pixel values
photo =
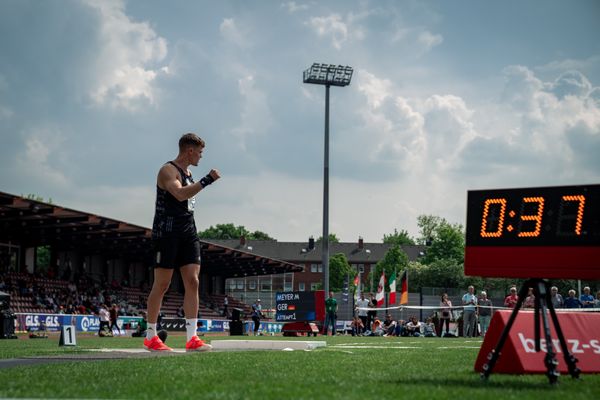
(393, 288)
(380, 296)
(404, 287)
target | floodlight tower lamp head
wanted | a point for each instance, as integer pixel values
(328, 74)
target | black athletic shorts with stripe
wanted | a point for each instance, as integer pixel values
(175, 251)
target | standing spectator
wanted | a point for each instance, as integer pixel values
(572, 301)
(256, 315)
(372, 314)
(530, 299)
(331, 308)
(469, 301)
(225, 306)
(511, 300)
(484, 309)
(362, 304)
(557, 299)
(586, 299)
(114, 316)
(104, 319)
(446, 308)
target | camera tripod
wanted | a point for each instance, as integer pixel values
(543, 305)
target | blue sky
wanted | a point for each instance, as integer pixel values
(446, 97)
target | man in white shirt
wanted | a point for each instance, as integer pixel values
(469, 301)
(362, 304)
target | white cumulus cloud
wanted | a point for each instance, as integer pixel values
(127, 62)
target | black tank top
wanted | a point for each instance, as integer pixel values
(171, 216)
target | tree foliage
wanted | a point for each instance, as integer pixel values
(339, 269)
(332, 238)
(395, 260)
(230, 231)
(399, 238)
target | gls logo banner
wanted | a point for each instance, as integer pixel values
(581, 331)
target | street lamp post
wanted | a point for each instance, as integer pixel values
(328, 75)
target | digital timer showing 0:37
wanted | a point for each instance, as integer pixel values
(548, 232)
(557, 216)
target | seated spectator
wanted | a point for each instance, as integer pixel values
(142, 327)
(357, 327)
(597, 301)
(557, 299)
(377, 328)
(2, 284)
(511, 300)
(529, 300)
(389, 326)
(429, 328)
(572, 301)
(586, 299)
(413, 327)
(180, 312)
(400, 329)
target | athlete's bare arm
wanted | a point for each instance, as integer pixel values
(169, 180)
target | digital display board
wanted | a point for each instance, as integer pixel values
(546, 232)
(297, 306)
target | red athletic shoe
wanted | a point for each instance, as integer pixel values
(196, 344)
(155, 344)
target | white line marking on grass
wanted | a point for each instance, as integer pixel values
(459, 347)
(380, 347)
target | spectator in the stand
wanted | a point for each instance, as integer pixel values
(429, 328)
(225, 306)
(446, 314)
(114, 316)
(511, 300)
(371, 314)
(469, 301)
(557, 299)
(331, 309)
(529, 300)
(389, 325)
(377, 328)
(104, 318)
(361, 305)
(256, 315)
(180, 312)
(597, 300)
(572, 301)
(586, 299)
(2, 284)
(484, 310)
(413, 327)
(357, 326)
(400, 328)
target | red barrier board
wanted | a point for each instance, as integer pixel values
(518, 356)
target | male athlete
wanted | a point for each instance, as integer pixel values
(176, 240)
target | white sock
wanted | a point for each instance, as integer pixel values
(190, 327)
(151, 331)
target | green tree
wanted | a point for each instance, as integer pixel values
(42, 257)
(394, 260)
(448, 242)
(332, 238)
(445, 273)
(427, 226)
(399, 238)
(230, 231)
(339, 269)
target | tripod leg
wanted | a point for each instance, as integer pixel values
(550, 359)
(569, 357)
(536, 323)
(494, 354)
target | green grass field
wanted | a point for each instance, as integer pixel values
(348, 368)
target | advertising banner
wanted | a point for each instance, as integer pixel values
(53, 322)
(581, 330)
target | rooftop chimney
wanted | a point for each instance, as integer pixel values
(361, 243)
(242, 240)
(311, 243)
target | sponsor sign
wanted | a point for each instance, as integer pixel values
(581, 331)
(53, 322)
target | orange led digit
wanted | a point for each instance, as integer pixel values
(536, 217)
(484, 221)
(581, 200)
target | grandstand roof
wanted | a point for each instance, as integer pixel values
(31, 223)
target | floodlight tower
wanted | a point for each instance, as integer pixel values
(328, 75)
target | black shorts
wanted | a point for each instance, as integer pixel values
(176, 251)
